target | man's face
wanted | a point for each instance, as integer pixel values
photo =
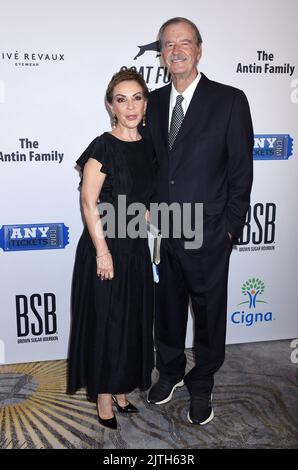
(180, 50)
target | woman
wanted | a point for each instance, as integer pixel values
(111, 346)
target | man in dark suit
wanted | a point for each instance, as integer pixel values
(203, 137)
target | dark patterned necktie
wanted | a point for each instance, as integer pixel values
(176, 121)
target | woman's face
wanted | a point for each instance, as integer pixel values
(129, 104)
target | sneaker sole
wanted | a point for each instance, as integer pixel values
(169, 397)
(203, 422)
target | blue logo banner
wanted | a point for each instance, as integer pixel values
(23, 237)
(272, 147)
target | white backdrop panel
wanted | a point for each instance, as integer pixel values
(56, 60)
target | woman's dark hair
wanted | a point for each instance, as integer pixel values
(123, 76)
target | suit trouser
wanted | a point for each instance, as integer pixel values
(202, 277)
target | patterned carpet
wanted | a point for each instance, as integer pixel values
(255, 404)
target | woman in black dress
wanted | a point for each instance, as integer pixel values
(111, 345)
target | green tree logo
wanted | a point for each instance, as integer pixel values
(253, 288)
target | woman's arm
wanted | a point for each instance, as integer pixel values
(93, 180)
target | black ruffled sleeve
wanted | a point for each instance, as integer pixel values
(98, 150)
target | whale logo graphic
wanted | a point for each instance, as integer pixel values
(153, 46)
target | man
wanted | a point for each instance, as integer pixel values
(203, 137)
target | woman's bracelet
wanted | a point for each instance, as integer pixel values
(104, 254)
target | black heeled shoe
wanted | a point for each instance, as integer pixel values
(110, 423)
(129, 408)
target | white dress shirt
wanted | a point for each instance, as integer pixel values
(187, 95)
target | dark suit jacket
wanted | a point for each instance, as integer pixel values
(211, 160)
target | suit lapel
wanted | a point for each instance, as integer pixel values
(195, 110)
(164, 104)
(193, 116)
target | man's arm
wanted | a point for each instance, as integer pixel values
(240, 143)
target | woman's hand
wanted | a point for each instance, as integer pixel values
(104, 266)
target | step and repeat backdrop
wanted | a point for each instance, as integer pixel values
(56, 59)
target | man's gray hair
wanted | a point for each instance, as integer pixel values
(178, 19)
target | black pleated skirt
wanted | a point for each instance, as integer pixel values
(111, 338)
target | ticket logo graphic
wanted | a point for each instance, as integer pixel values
(272, 147)
(23, 237)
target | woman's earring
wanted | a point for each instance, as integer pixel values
(114, 122)
(144, 120)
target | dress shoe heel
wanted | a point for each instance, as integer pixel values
(110, 423)
(129, 408)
